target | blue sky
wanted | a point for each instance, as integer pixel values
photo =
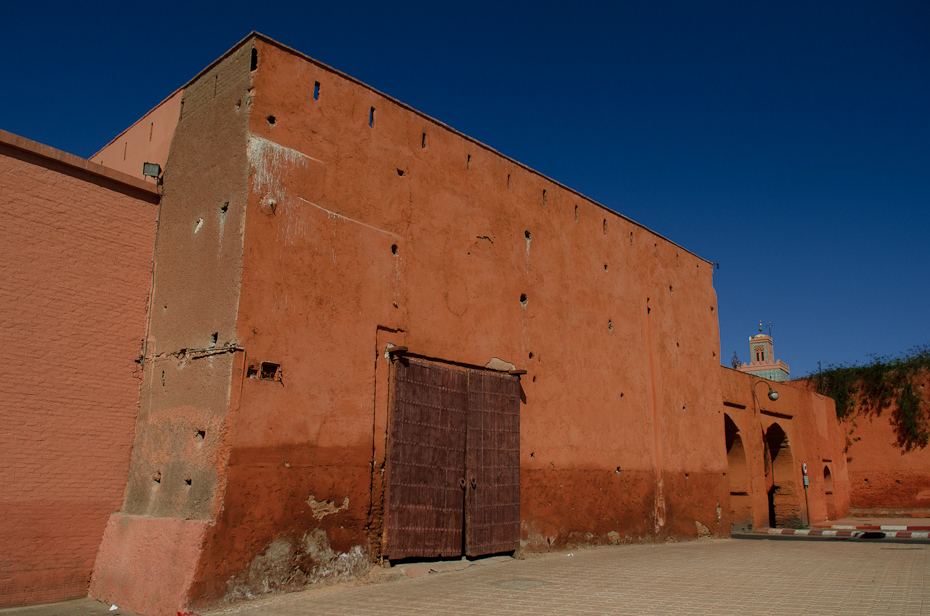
(788, 141)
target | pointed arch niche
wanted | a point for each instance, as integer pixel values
(784, 500)
(828, 493)
(738, 477)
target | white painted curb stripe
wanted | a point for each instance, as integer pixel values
(836, 532)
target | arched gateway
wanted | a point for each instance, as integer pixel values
(784, 502)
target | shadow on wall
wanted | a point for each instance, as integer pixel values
(784, 503)
(828, 493)
(738, 476)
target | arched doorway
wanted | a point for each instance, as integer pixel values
(784, 502)
(828, 493)
(738, 476)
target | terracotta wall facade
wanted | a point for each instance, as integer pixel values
(76, 271)
(884, 479)
(178, 474)
(332, 222)
(767, 444)
(369, 224)
(146, 141)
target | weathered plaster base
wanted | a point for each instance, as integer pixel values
(880, 488)
(282, 492)
(147, 565)
(291, 563)
(572, 507)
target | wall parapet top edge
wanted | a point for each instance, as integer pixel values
(254, 35)
(76, 162)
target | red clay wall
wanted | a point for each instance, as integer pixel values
(146, 141)
(354, 223)
(76, 263)
(813, 436)
(406, 232)
(177, 476)
(884, 479)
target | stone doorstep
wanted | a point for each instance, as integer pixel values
(413, 570)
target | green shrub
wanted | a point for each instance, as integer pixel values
(885, 383)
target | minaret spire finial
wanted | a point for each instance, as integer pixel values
(760, 327)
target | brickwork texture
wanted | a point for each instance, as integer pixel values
(76, 269)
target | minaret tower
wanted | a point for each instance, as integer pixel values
(762, 359)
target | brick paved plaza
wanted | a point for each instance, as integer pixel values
(710, 577)
(714, 577)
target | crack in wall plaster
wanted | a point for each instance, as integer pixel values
(338, 216)
(185, 355)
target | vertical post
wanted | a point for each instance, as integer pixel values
(807, 504)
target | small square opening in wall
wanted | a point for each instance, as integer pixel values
(269, 370)
(266, 371)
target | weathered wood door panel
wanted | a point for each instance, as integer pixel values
(426, 460)
(492, 501)
(453, 462)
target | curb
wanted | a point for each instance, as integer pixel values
(877, 532)
(873, 527)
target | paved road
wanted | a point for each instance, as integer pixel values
(711, 577)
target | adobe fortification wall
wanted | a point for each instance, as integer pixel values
(310, 223)
(884, 479)
(368, 223)
(177, 478)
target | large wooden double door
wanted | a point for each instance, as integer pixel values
(453, 463)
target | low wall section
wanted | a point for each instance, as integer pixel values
(76, 268)
(886, 480)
